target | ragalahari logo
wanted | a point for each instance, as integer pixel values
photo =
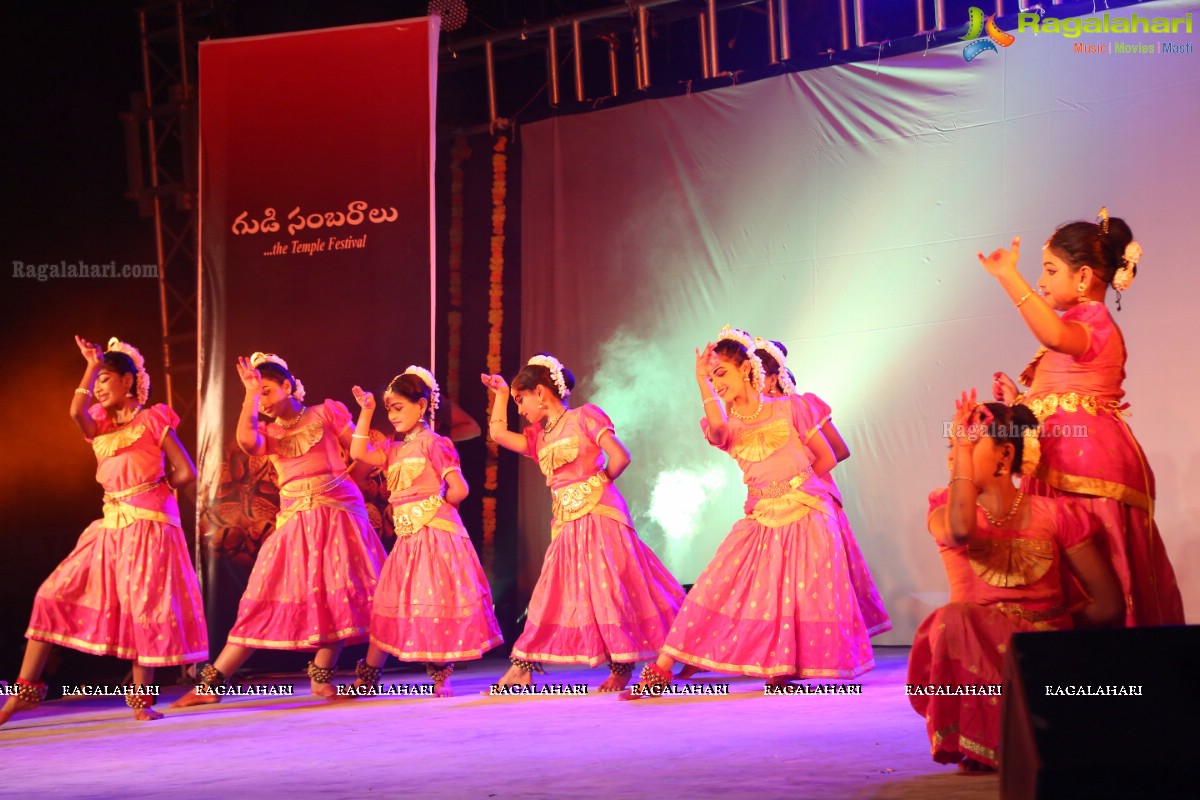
(977, 27)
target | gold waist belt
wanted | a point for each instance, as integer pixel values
(780, 488)
(119, 514)
(411, 517)
(1018, 610)
(1070, 402)
(574, 501)
(141, 488)
(311, 487)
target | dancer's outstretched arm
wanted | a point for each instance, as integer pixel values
(248, 437)
(498, 418)
(82, 398)
(361, 449)
(1063, 337)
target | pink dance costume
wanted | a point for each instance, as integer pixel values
(602, 594)
(875, 616)
(433, 602)
(777, 598)
(1090, 454)
(128, 589)
(314, 577)
(1002, 581)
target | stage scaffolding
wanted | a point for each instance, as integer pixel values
(562, 40)
(161, 131)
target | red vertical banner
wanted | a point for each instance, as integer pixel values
(316, 233)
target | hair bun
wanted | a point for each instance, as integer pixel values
(1023, 416)
(1119, 235)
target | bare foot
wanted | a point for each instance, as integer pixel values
(687, 672)
(195, 698)
(443, 688)
(639, 691)
(14, 705)
(514, 677)
(615, 682)
(146, 714)
(326, 690)
(969, 766)
(782, 680)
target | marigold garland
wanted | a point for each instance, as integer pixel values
(495, 335)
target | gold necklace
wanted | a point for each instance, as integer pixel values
(136, 411)
(287, 426)
(757, 411)
(550, 426)
(1012, 511)
(408, 437)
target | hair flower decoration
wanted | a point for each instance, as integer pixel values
(757, 371)
(1031, 451)
(435, 395)
(556, 372)
(787, 384)
(1123, 277)
(258, 359)
(142, 381)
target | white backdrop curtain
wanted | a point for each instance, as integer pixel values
(839, 211)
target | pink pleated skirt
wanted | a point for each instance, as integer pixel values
(775, 602)
(129, 592)
(958, 645)
(433, 602)
(314, 578)
(875, 616)
(602, 596)
(1132, 544)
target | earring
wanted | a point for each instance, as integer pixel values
(1081, 288)
(1000, 470)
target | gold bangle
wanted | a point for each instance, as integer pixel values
(83, 390)
(708, 400)
(962, 478)
(502, 421)
(1023, 299)
(359, 436)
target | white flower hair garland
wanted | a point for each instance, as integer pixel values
(757, 371)
(258, 359)
(556, 373)
(435, 395)
(142, 381)
(786, 385)
(1123, 277)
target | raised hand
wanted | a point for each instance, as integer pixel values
(366, 400)
(251, 377)
(1004, 389)
(92, 353)
(1002, 261)
(969, 419)
(705, 361)
(495, 383)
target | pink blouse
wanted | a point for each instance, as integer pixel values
(1016, 566)
(311, 449)
(131, 456)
